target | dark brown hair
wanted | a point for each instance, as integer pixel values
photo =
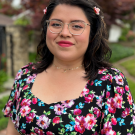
(98, 52)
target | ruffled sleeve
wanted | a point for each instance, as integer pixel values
(11, 106)
(118, 112)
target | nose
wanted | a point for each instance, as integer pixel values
(65, 31)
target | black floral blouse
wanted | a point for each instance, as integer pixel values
(105, 107)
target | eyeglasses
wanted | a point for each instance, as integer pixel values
(75, 28)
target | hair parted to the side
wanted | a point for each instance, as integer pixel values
(98, 52)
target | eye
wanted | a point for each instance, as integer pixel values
(77, 26)
(55, 24)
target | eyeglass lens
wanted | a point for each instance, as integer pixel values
(74, 27)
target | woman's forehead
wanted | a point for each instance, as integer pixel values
(66, 12)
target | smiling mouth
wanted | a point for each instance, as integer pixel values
(65, 44)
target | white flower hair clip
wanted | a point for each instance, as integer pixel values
(97, 10)
(45, 10)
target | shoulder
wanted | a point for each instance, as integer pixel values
(25, 70)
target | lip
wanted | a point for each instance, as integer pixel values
(65, 43)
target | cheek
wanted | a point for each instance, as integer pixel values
(50, 37)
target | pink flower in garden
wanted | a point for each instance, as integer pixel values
(97, 10)
(90, 121)
(89, 98)
(120, 90)
(130, 100)
(39, 131)
(30, 79)
(126, 112)
(58, 109)
(111, 105)
(26, 102)
(49, 133)
(34, 101)
(119, 80)
(107, 94)
(25, 110)
(127, 88)
(114, 121)
(56, 120)
(77, 111)
(106, 128)
(97, 112)
(84, 92)
(118, 99)
(30, 118)
(80, 124)
(68, 103)
(43, 122)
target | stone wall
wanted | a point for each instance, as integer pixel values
(17, 49)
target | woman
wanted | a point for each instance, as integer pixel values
(72, 89)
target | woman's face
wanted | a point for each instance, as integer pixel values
(57, 42)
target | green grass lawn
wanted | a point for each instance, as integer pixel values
(129, 66)
(119, 52)
(132, 87)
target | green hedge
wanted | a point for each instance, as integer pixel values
(119, 52)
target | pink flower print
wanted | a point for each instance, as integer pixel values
(58, 109)
(49, 133)
(84, 92)
(7, 110)
(105, 77)
(68, 103)
(80, 124)
(56, 120)
(111, 132)
(130, 100)
(39, 131)
(111, 105)
(122, 75)
(114, 121)
(26, 102)
(127, 88)
(101, 71)
(133, 120)
(107, 94)
(43, 122)
(17, 122)
(30, 79)
(110, 78)
(97, 112)
(77, 111)
(23, 131)
(18, 76)
(34, 101)
(26, 71)
(99, 101)
(25, 110)
(33, 133)
(118, 99)
(25, 87)
(106, 128)
(90, 121)
(9, 103)
(119, 80)
(125, 113)
(120, 90)
(30, 118)
(96, 133)
(89, 98)
(17, 94)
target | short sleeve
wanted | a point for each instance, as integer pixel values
(11, 106)
(118, 112)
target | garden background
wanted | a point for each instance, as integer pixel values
(24, 23)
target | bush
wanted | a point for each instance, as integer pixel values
(3, 78)
(124, 34)
(119, 52)
(32, 57)
(3, 120)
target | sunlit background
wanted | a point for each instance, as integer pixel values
(20, 31)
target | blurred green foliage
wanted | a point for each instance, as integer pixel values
(32, 57)
(119, 52)
(22, 21)
(124, 34)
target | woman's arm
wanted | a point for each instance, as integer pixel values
(11, 129)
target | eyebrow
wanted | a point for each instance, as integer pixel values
(71, 21)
